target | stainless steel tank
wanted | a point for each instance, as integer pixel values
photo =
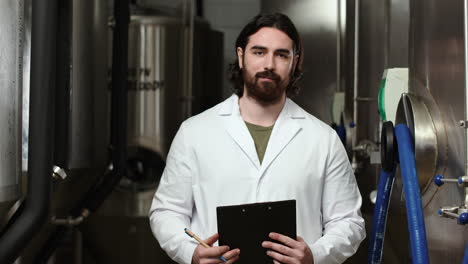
(12, 30)
(81, 122)
(155, 81)
(163, 56)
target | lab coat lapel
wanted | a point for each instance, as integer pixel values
(236, 128)
(285, 129)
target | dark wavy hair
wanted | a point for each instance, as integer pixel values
(278, 21)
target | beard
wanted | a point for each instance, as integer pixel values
(264, 92)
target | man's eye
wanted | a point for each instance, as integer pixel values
(259, 53)
(283, 56)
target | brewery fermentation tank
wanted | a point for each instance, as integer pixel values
(171, 76)
(12, 30)
(153, 81)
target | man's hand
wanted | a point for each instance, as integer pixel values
(210, 255)
(292, 252)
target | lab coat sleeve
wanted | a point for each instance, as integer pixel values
(343, 225)
(171, 209)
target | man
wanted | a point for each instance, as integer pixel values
(259, 146)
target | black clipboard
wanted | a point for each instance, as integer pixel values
(246, 226)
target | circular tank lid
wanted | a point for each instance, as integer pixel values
(413, 112)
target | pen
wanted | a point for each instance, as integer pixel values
(191, 234)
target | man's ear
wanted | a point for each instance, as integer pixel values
(295, 62)
(240, 56)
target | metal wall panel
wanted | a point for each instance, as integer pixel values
(398, 30)
(316, 22)
(12, 30)
(372, 48)
(26, 76)
(382, 43)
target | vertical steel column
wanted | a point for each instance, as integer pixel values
(356, 65)
(339, 41)
(465, 14)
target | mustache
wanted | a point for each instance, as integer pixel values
(268, 74)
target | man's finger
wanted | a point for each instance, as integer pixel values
(213, 252)
(212, 239)
(280, 248)
(280, 258)
(231, 254)
(284, 239)
(213, 261)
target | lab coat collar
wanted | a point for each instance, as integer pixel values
(285, 129)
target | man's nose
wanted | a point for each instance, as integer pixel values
(269, 62)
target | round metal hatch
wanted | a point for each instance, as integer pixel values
(413, 112)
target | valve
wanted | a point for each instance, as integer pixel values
(439, 180)
(70, 220)
(463, 218)
(463, 181)
(455, 212)
(59, 173)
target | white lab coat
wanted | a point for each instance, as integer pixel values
(213, 162)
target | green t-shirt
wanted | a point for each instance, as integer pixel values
(260, 135)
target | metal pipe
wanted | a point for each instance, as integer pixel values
(118, 103)
(338, 47)
(354, 162)
(454, 215)
(414, 211)
(71, 220)
(188, 23)
(356, 60)
(379, 220)
(119, 85)
(56, 238)
(43, 68)
(465, 7)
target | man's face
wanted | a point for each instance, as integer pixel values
(267, 63)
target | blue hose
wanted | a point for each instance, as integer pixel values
(414, 209)
(341, 131)
(465, 259)
(380, 216)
